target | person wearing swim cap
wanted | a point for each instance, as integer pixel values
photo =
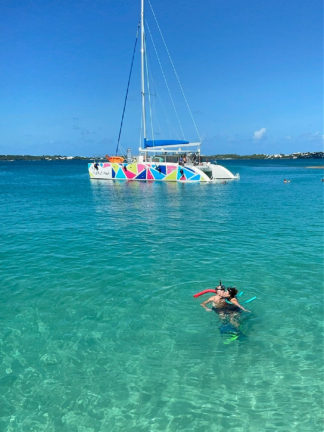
(219, 303)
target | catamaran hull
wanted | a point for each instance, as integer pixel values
(164, 171)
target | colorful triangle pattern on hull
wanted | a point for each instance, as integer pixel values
(149, 175)
(172, 176)
(157, 175)
(132, 168)
(195, 178)
(171, 168)
(141, 175)
(148, 171)
(188, 173)
(129, 174)
(120, 174)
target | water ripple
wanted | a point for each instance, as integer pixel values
(99, 329)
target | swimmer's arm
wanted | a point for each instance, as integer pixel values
(236, 303)
(203, 304)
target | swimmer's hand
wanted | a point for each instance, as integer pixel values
(206, 308)
(204, 304)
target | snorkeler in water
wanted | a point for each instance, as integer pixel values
(226, 305)
(218, 300)
(228, 308)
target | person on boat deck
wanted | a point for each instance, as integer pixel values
(218, 301)
(96, 165)
(184, 159)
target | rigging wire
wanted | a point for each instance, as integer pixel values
(141, 133)
(166, 82)
(149, 92)
(129, 78)
(158, 102)
(175, 72)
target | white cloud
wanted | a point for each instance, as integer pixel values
(312, 136)
(258, 134)
(318, 135)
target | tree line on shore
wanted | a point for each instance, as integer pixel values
(305, 155)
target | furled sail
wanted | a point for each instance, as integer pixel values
(161, 143)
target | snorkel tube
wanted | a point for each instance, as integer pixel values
(210, 290)
(205, 292)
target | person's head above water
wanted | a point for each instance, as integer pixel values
(232, 292)
(221, 286)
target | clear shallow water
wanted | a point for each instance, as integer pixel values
(98, 327)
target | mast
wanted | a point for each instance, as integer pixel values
(142, 69)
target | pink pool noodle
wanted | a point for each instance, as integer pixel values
(204, 292)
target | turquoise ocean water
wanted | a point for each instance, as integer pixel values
(99, 330)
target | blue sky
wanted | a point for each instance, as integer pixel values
(252, 73)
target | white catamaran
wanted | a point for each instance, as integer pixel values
(159, 160)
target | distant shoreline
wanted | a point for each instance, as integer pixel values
(305, 155)
(316, 167)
